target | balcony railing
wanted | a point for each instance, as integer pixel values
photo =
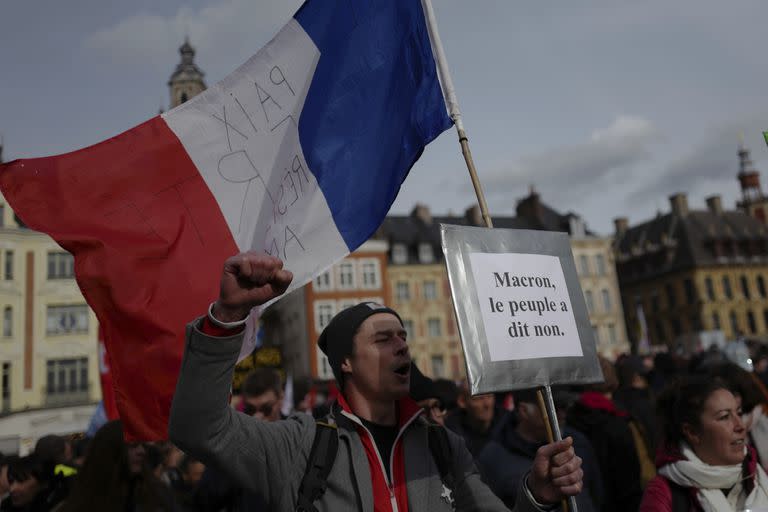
(55, 397)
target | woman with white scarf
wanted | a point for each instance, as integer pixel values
(705, 463)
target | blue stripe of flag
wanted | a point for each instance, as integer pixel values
(374, 103)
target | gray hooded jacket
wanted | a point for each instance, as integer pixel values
(270, 458)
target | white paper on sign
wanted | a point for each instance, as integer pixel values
(525, 306)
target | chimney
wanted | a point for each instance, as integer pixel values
(715, 205)
(421, 212)
(679, 203)
(621, 224)
(474, 216)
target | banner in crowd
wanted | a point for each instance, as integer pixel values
(299, 153)
(521, 312)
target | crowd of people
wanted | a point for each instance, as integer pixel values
(662, 433)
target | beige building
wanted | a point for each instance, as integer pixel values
(696, 273)
(595, 265)
(48, 333)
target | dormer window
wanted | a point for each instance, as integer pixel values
(426, 253)
(399, 254)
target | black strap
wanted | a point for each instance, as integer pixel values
(681, 498)
(319, 465)
(440, 447)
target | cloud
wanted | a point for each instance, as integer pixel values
(227, 31)
(711, 165)
(608, 152)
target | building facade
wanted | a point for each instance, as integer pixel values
(698, 271)
(49, 334)
(359, 277)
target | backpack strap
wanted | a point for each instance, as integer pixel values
(319, 465)
(681, 499)
(442, 454)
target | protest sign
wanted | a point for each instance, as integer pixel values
(521, 312)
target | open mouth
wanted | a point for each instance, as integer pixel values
(738, 442)
(403, 369)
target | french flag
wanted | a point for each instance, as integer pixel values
(298, 153)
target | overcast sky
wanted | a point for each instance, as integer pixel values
(606, 107)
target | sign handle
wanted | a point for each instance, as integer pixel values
(548, 412)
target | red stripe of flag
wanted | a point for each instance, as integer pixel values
(149, 242)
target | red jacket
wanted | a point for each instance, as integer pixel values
(658, 493)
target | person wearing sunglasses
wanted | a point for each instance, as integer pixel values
(262, 393)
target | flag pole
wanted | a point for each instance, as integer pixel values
(449, 93)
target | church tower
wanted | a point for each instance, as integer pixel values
(187, 81)
(752, 199)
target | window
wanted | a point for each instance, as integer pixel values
(690, 291)
(324, 371)
(2, 215)
(370, 271)
(323, 282)
(590, 301)
(6, 384)
(67, 319)
(455, 366)
(612, 333)
(402, 291)
(61, 265)
(660, 335)
(433, 327)
(348, 303)
(584, 265)
(8, 269)
(438, 368)
(670, 290)
(324, 311)
(600, 264)
(727, 288)
(655, 302)
(710, 288)
(430, 290)
(734, 324)
(7, 322)
(677, 329)
(66, 375)
(399, 254)
(751, 322)
(183, 98)
(744, 287)
(346, 275)
(761, 287)
(426, 253)
(607, 305)
(408, 325)
(715, 321)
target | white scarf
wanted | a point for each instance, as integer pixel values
(709, 480)
(758, 429)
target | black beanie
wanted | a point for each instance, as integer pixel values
(336, 339)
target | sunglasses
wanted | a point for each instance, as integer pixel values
(265, 409)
